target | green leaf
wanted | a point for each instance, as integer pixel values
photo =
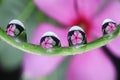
(59, 51)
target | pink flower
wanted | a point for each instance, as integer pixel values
(111, 27)
(76, 38)
(47, 43)
(89, 14)
(10, 30)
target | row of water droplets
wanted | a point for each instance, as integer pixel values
(76, 35)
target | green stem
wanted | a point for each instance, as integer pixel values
(27, 11)
(60, 51)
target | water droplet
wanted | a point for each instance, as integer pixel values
(16, 30)
(76, 37)
(108, 26)
(50, 40)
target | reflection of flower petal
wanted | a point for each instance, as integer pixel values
(13, 27)
(76, 38)
(11, 34)
(10, 30)
(111, 27)
(50, 40)
(79, 41)
(74, 42)
(72, 37)
(80, 35)
(43, 44)
(46, 39)
(49, 46)
(47, 43)
(76, 33)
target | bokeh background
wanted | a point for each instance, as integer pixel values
(11, 58)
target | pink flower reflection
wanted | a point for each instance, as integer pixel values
(111, 27)
(10, 30)
(76, 38)
(47, 43)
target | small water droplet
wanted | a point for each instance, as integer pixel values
(16, 30)
(108, 26)
(50, 40)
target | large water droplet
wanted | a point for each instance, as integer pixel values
(76, 37)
